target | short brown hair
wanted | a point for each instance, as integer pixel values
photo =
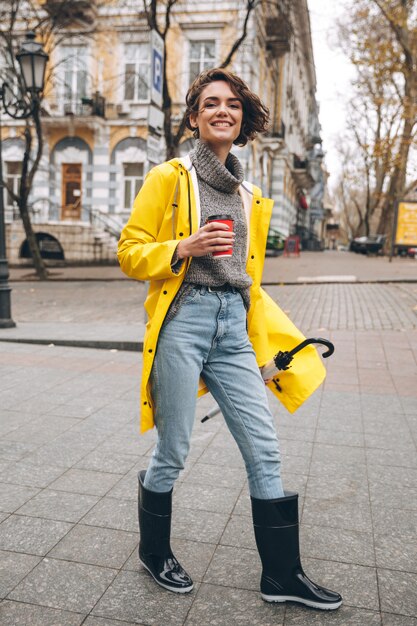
(255, 114)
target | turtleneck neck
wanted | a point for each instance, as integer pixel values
(226, 178)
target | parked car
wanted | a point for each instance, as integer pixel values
(373, 244)
(275, 242)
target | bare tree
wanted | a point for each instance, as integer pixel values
(158, 15)
(380, 38)
(50, 24)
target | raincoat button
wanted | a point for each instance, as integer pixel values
(150, 350)
(182, 173)
(252, 257)
(181, 234)
(258, 202)
(145, 402)
(165, 293)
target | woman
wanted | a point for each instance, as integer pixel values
(201, 308)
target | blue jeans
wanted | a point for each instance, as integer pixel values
(208, 337)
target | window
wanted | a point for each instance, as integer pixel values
(202, 57)
(133, 180)
(137, 72)
(74, 73)
(12, 179)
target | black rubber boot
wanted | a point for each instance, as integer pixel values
(155, 552)
(283, 579)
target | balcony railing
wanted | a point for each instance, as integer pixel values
(66, 12)
(278, 35)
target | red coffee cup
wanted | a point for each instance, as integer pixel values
(222, 219)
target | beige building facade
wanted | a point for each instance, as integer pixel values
(97, 114)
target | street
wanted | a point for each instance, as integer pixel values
(70, 453)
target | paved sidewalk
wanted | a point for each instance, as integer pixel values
(327, 266)
(70, 452)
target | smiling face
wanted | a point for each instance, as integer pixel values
(220, 114)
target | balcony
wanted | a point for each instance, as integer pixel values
(77, 12)
(301, 173)
(278, 35)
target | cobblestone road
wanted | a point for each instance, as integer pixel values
(375, 306)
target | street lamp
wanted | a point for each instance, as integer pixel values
(32, 61)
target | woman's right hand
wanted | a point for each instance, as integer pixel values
(212, 237)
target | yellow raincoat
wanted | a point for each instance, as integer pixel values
(166, 210)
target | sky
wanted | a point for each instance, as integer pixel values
(333, 72)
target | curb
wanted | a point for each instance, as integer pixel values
(126, 346)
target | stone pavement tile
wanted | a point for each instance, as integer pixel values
(41, 430)
(344, 616)
(58, 505)
(392, 495)
(339, 421)
(338, 489)
(380, 403)
(386, 424)
(196, 525)
(134, 596)
(295, 464)
(136, 446)
(234, 607)
(243, 504)
(96, 546)
(406, 476)
(345, 454)
(294, 482)
(86, 481)
(222, 456)
(386, 441)
(234, 567)
(333, 436)
(347, 546)
(18, 614)
(15, 450)
(388, 520)
(102, 621)
(405, 385)
(239, 532)
(13, 496)
(194, 557)
(297, 434)
(14, 567)
(407, 458)
(409, 405)
(342, 375)
(396, 551)
(388, 619)
(107, 461)
(114, 513)
(3, 516)
(59, 454)
(348, 515)
(333, 400)
(31, 534)
(63, 585)
(31, 475)
(398, 592)
(201, 473)
(127, 487)
(357, 584)
(333, 469)
(292, 447)
(206, 497)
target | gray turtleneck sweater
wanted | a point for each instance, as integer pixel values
(218, 187)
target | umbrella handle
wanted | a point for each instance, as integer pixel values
(306, 342)
(282, 360)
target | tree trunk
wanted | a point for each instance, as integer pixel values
(25, 184)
